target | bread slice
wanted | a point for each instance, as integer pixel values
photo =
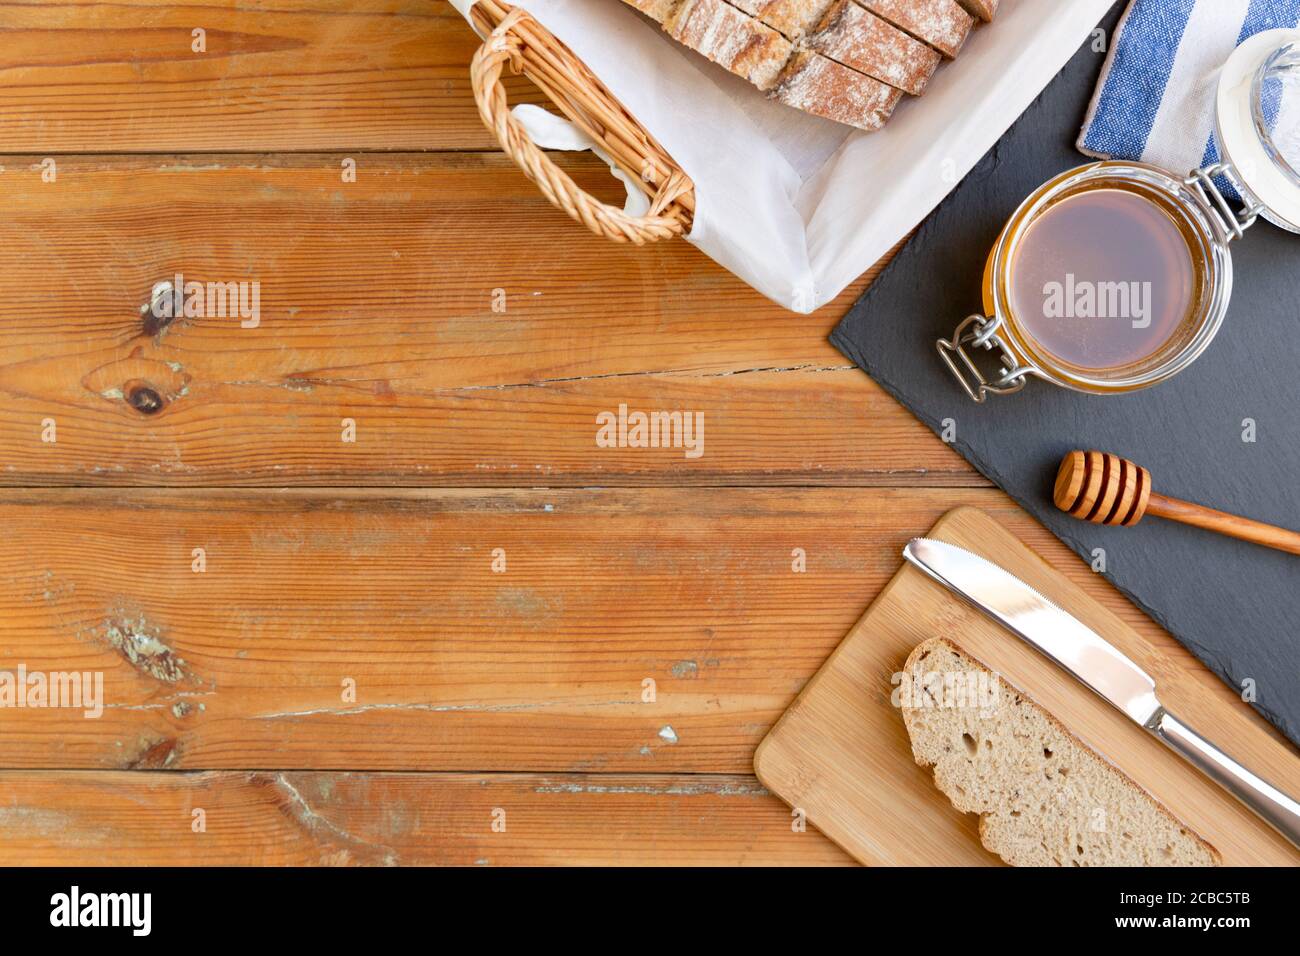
(656, 10)
(941, 23)
(986, 10)
(731, 39)
(1044, 797)
(793, 18)
(848, 34)
(820, 86)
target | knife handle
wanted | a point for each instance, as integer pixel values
(1272, 805)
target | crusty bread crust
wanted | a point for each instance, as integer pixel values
(850, 35)
(830, 58)
(820, 86)
(986, 10)
(657, 10)
(731, 39)
(941, 23)
(965, 778)
(791, 17)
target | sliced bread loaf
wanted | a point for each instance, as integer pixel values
(941, 23)
(830, 58)
(730, 38)
(820, 86)
(1044, 797)
(848, 34)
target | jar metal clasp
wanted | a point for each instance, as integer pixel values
(977, 331)
(1233, 222)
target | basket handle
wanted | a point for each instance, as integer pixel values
(503, 47)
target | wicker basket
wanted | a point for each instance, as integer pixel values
(516, 39)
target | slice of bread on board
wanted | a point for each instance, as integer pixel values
(1044, 797)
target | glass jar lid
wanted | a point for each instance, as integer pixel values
(1258, 119)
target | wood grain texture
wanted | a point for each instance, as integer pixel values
(288, 75)
(455, 667)
(376, 304)
(841, 751)
(224, 689)
(276, 819)
(1220, 522)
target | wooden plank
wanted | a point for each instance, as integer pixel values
(368, 630)
(289, 76)
(422, 819)
(376, 304)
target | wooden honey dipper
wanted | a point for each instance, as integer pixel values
(1107, 489)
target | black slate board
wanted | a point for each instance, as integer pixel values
(1234, 605)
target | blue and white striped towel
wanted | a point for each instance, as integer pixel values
(1155, 101)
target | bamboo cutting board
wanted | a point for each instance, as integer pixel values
(841, 753)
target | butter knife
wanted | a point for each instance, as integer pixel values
(1098, 665)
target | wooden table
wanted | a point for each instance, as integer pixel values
(470, 635)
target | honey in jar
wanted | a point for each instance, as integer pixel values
(1103, 278)
(1117, 275)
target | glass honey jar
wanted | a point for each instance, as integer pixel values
(1115, 276)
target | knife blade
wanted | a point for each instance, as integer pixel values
(1098, 665)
